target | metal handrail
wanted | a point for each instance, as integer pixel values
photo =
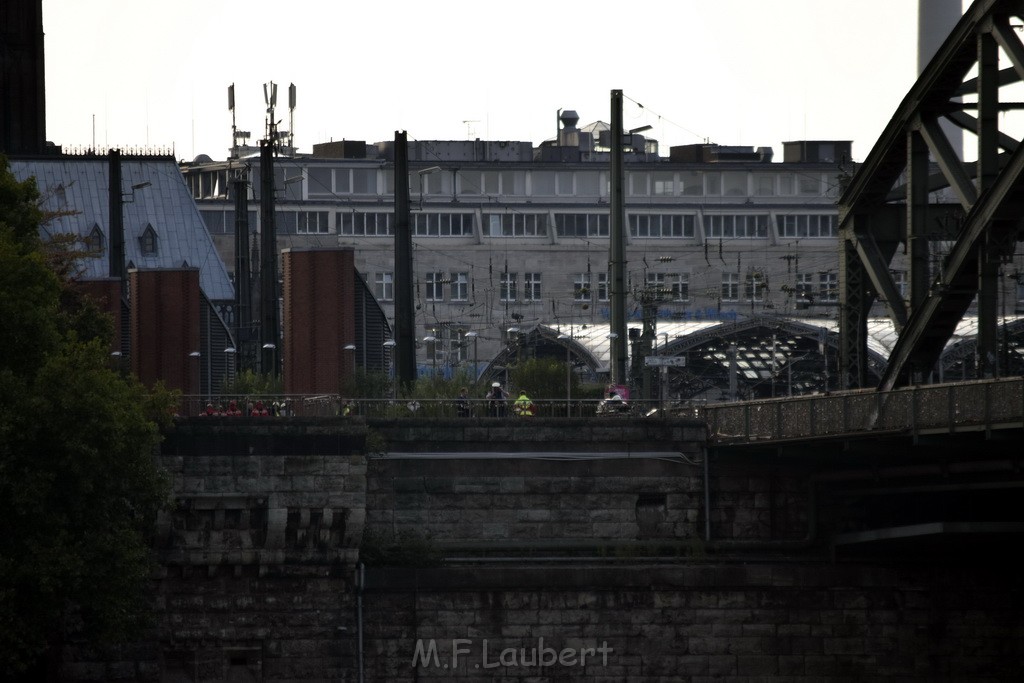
(936, 408)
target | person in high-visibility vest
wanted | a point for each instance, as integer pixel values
(523, 406)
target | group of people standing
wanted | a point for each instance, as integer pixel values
(497, 403)
(257, 409)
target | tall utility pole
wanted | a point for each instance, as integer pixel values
(617, 249)
(117, 259)
(405, 314)
(270, 339)
(243, 275)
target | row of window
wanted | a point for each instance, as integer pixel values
(589, 287)
(525, 224)
(325, 183)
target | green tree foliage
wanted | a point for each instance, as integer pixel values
(249, 383)
(79, 486)
(543, 378)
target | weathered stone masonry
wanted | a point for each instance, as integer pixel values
(601, 545)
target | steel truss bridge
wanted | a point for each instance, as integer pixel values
(892, 200)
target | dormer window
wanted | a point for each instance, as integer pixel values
(95, 242)
(148, 241)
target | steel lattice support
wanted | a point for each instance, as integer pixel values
(985, 225)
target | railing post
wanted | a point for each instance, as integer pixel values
(951, 408)
(813, 419)
(778, 420)
(846, 413)
(988, 409)
(746, 420)
(913, 412)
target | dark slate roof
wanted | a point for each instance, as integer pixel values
(81, 186)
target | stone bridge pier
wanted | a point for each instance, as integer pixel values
(479, 550)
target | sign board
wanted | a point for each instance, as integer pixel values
(665, 361)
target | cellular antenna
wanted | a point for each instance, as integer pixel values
(237, 136)
(291, 117)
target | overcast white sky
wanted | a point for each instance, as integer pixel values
(735, 72)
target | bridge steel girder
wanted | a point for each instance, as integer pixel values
(989, 192)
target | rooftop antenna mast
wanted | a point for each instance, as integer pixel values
(237, 136)
(291, 118)
(270, 98)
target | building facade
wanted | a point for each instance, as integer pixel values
(508, 235)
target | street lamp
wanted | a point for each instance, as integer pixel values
(199, 376)
(430, 339)
(347, 369)
(269, 358)
(476, 368)
(568, 375)
(229, 360)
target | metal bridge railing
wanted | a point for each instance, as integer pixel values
(937, 408)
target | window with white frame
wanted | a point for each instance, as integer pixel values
(642, 225)
(470, 182)
(691, 183)
(656, 284)
(460, 286)
(507, 287)
(805, 286)
(442, 224)
(581, 287)
(312, 223)
(669, 286)
(734, 183)
(809, 184)
(581, 224)
(531, 287)
(680, 284)
(755, 285)
(384, 286)
(364, 181)
(899, 278)
(638, 184)
(828, 286)
(369, 224)
(730, 287)
(500, 183)
(433, 285)
(542, 184)
(743, 226)
(588, 184)
(434, 350)
(342, 181)
(663, 184)
(602, 286)
(807, 225)
(318, 182)
(764, 184)
(713, 183)
(564, 186)
(516, 224)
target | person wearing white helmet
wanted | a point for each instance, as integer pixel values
(496, 400)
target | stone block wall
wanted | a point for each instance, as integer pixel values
(512, 504)
(258, 554)
(741, 622)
